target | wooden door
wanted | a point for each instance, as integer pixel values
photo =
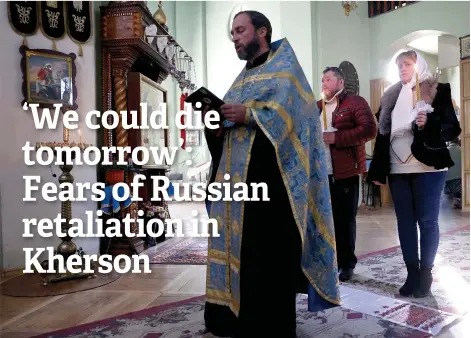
(377, 87)
(464, 74)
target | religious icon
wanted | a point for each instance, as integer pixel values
(193, 138)
(154, 96)
(49, 77)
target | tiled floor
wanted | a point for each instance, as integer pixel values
(24, 317)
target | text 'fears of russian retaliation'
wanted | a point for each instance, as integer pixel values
(198, 192)
(226, 189)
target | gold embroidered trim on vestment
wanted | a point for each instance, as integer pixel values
(320, 225)
(227, 224)
(308, 97)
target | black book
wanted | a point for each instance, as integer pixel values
(206, 98)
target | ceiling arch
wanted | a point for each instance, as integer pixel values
(408, 41)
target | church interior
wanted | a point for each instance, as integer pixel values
(115, 55)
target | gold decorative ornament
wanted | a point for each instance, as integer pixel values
(160, 16)
(349, 6)
(67, 247)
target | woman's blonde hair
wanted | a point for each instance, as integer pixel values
(408, 54)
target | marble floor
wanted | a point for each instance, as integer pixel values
(28, 316)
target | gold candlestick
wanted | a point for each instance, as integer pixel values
(324, 114)
(417, 86)
(67, 247)
(66, 135)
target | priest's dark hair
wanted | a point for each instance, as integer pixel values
(259, 20)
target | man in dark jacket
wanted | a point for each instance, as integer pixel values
(348, 124)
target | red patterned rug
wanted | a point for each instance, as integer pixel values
(383, 272)
(185, 320)
(188, 250)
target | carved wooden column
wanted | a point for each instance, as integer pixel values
(120, 99)
(125, 49)
(107, 96)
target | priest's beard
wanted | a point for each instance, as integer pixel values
(249, 51)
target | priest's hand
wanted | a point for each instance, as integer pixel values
(234, 112)
(329, 137)
(421, 119)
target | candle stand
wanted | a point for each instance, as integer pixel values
(67, 247)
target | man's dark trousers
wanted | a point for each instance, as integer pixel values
(344, 195)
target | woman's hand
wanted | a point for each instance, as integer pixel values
(421, 119)
(376, 183)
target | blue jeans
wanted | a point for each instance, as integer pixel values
(208, 207)
(416, 199)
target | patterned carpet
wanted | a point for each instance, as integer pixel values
(371, 306)
(185, 320)
(382, 273)
(189, 251)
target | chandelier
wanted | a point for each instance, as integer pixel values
(349, 6)
(181, 65)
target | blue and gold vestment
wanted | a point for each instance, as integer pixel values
(280, 102)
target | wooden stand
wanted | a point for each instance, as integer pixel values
(125, 51)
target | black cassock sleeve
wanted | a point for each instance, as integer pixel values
(215, 144)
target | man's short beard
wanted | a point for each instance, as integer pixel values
(247, 53)
(335, 91)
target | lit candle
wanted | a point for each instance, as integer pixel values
(80, 136)
(324, 114)
(66, 135)
(417, 85)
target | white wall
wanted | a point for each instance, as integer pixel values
(451, 17)
(318, 30)
(295, 23)
(185, 21)
(309, 28)
(193, 41)
(169, 83)
(321, 35)
(223, 65)
(451, 75)
(344, 38)
(17, 128)
(448, 51)
(432, 61)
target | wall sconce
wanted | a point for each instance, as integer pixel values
(349, 6)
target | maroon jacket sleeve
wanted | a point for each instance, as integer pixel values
(365, 122)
